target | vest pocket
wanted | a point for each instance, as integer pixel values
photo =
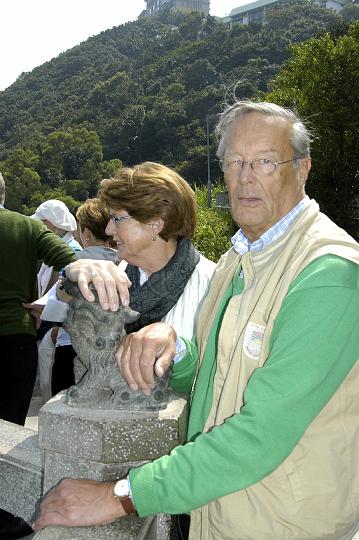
(294, 480)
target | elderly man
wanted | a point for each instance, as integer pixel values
(273, 440)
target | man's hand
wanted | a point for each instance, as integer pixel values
(35, 310)
(109, 281)
(79, 503)
(139, 354)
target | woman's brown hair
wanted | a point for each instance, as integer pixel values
(149, 191)
(95, 217)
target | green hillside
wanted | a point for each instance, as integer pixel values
(140, 91)
(145, 87)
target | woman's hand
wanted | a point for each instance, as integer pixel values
(110, 282)
(140, 354)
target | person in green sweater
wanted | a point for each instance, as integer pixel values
(273, 371)
(24, 242)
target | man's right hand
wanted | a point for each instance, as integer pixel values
(79, 503)
(140, 354)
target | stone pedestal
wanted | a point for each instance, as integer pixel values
(103, 445)
(20, 471)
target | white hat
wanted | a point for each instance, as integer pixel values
(57, 213)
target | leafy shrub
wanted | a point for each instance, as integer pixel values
(214, 226)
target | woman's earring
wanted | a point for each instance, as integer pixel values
(154, 235)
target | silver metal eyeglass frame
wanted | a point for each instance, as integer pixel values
(251, 163)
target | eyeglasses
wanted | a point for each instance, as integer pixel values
(118, 219)
(261, 166)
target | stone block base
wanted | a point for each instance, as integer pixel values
(103, 445)
(20, 470)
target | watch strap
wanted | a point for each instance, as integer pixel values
(125, 498)
(127, 504)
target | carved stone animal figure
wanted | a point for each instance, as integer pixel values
(95, 335)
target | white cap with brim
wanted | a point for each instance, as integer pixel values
(57, 213)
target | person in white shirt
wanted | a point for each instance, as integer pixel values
(58, 218)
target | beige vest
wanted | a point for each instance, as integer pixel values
(314, 493)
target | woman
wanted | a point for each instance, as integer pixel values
(152, 213)
(152, 220)
(92, 220)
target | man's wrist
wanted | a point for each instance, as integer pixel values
(122, 492)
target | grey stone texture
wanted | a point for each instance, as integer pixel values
(111, 436)
(128, 528)
(20, 470)
(104, 445)
(95, 335)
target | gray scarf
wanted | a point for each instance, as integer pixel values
(155, 298)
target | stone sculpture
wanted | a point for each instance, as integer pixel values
(95, 335)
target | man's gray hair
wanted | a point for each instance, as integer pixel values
(301, 136)
(2, 189)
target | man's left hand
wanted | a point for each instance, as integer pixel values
(79, 503)
(142, 353)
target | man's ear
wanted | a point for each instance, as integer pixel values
(305, 165)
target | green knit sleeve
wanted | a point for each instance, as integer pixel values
(314, 345)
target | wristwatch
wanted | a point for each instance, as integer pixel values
(122, 492)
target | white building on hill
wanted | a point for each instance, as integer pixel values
(256, 11)
(153, 6)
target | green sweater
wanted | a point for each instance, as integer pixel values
(24, 241)
(314, 344)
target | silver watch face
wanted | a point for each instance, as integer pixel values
(121, 488)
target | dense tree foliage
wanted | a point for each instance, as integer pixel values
(214, 226)
(321, 81)
(141, 91)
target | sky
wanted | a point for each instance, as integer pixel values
(35, 31)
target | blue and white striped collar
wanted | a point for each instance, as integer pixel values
(241, 244)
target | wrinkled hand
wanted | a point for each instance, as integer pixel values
(79, 503)
(110, 282)
(35, 310)
(140, 354)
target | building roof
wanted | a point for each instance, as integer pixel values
(249, 7)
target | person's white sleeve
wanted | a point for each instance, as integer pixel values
(181, 350)
(54, 310)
